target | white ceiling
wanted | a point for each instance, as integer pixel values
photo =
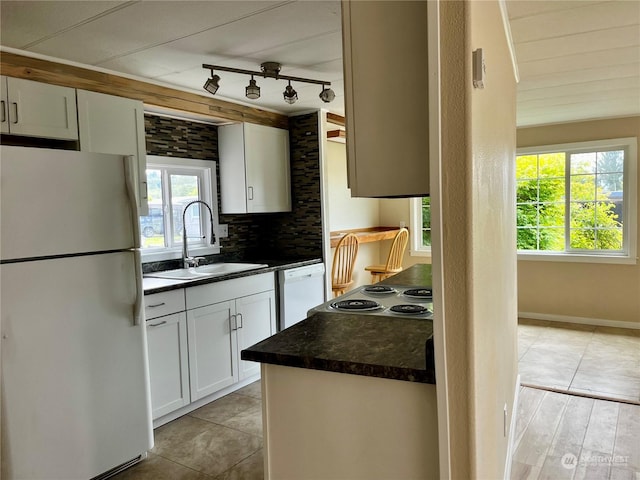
(576, 59)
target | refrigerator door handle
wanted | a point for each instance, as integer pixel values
(129, 169)
(137, 308)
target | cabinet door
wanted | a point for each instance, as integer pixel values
(110, 124)
(387, 132)
(267, 169)
(168, 363)
(4, 106)
(256, 321)
(41, 110)
(212, 348)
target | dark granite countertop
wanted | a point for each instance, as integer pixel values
(158, 285)
(370, 345)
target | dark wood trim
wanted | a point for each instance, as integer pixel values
(335, 119)
(29, 68)
(339, 136)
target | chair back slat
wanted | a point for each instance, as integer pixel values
(344, 260)
(398, 247)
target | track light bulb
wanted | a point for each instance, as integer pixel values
(252, 91)
(211, 85)
(327, 95)
(290, 95)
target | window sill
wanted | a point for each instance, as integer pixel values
(578, 258)
(420, 253)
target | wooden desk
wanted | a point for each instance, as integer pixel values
(366, 235)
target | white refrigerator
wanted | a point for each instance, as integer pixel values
(75, 386)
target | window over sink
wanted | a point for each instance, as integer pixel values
(172, 184)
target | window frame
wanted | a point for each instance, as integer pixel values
(417, 248)
(628, 255)
(208, 192)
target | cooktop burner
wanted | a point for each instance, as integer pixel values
(379, 289)
(384, 300)
(356, 305)
(408, 309)
(422, 293)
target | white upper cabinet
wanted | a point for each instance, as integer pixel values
(254, 169)
(4, 106)
(386, 97)
(111, 124)
(38, 109)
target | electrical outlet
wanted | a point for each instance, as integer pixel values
(223, 230)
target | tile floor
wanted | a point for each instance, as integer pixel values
(600, 362)
(223, 440)
(560, 436)
(220, 441)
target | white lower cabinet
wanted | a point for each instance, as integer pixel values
(251, 313)
(212, 348)
(195, 352)
(168, 363)
(219, 332)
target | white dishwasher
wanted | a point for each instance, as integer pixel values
(300, 289)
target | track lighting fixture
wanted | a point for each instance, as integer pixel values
(252, 91)
(268, 70)
(327, 95)
(211, 85)
(290, 95)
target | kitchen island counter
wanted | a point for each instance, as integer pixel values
(351, 395)
(359, 344)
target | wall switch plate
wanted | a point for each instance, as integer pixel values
(504, 422)
(223, 230)
(479, 68)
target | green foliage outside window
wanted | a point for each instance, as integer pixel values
(593, 216)
(426, 221)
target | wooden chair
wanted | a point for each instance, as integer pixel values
(344, 259)
(394, 261)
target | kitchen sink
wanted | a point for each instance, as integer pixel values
(204, 271)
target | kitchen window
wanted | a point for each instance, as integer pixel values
(421, 226)
(172, 184)
(577, 202)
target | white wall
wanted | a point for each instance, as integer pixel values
(346, 213)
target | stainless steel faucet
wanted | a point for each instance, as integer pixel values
(188, 261)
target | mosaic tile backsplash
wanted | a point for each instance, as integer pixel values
(287, 235)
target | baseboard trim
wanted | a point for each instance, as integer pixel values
(512, 430)
(600, 322)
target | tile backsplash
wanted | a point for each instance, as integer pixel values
(287, 235)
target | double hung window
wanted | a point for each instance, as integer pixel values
(577, 201)
(173, 183)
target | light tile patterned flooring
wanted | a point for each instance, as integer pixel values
(575, 437)
(558, 436)
(220, 441)
(600, 362)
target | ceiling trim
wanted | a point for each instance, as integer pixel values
(86, 78)
(507, 32)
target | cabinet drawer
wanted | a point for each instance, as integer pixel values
(216, 292)
(164, 303)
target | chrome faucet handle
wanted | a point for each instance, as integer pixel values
(190, 262)
(197, 260)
